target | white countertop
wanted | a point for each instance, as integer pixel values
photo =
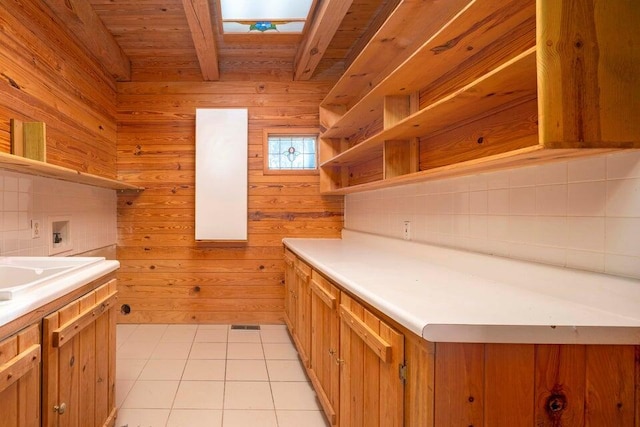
(449, 295)
(32, 300)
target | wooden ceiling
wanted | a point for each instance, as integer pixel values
(168, 40)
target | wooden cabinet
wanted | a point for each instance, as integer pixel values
(20, 379)
(298, 304)
(325, 344)
(484, 85)
(302, 328)
(79, 344)
(371, 360)
(289, 289)
(368, 370)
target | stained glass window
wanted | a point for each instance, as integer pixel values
(291, 152)
(264, 16)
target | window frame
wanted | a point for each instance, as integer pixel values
(296, 131)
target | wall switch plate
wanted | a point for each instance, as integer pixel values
(36, 230)
(407, 230)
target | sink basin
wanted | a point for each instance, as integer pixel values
(23, 274)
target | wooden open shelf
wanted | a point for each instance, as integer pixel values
(34, 167)
(493, 85)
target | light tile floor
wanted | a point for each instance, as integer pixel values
(211, 376)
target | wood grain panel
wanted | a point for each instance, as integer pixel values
(161, 263)
(45, 75)
(459, 384)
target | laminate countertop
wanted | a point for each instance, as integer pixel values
(448, 295)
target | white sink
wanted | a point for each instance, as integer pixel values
(23, 274)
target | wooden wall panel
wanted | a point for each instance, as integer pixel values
(46, 76)
(165, 275)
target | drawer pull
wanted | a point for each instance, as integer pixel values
(60, 409)
(323, 294)
(19, 366)
(379, 346)
(64, 333)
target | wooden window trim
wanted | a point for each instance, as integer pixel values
(287, 131)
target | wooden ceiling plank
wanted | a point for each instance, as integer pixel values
(317, 39)
(90, 31)
(199, 18)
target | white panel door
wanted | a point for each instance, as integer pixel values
(221, 173)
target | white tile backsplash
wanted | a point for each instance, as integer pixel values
(582, 213)
(23, 198)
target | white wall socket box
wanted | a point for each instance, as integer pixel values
(36, 229)
(407, 230)
(60, 239)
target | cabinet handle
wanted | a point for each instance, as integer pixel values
(380, 347)
(339, 361)
(324, 295)
(19, 366)
(64, 333)
(332, 352)
(60, 409)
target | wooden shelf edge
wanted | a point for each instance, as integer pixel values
(518, 158)
(395, 28)
(411, 127)
(389, 84)
(33, 167)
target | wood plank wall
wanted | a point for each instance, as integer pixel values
(165, 275)
(46, 76)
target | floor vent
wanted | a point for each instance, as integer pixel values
(246, 327)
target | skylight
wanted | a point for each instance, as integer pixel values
(264, 16)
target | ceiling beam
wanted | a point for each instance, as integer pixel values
(325, 23)
(199, 18)
(90, 31)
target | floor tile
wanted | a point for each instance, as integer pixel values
(246, 370)
(148, 333)
(142, 417)
(179, 333)
(211, 335)
(136, 350)
(207, 350)
(243, 418)
(294, 395)
(171, 350)
(151, 394)
(301, 418)
(204, 370)
(213, 326)
(123, 387)
(264, 327)
(163, 369)
(195, 418)
(247, 395)
(280, 351)
(275, 336)
(199, 395)
(240, 350)
(286, 370)
(129, 369)
(123, 332)
(240, 335)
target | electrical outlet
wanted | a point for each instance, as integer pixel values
(36, 231)
(407, 230)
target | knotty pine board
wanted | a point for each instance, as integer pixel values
(165, 275)
(47, 76)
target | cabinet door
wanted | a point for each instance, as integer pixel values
(371, 353)
(289, 290)
(325, 342)
(302, 328)
(20, 379)
(79, 343)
